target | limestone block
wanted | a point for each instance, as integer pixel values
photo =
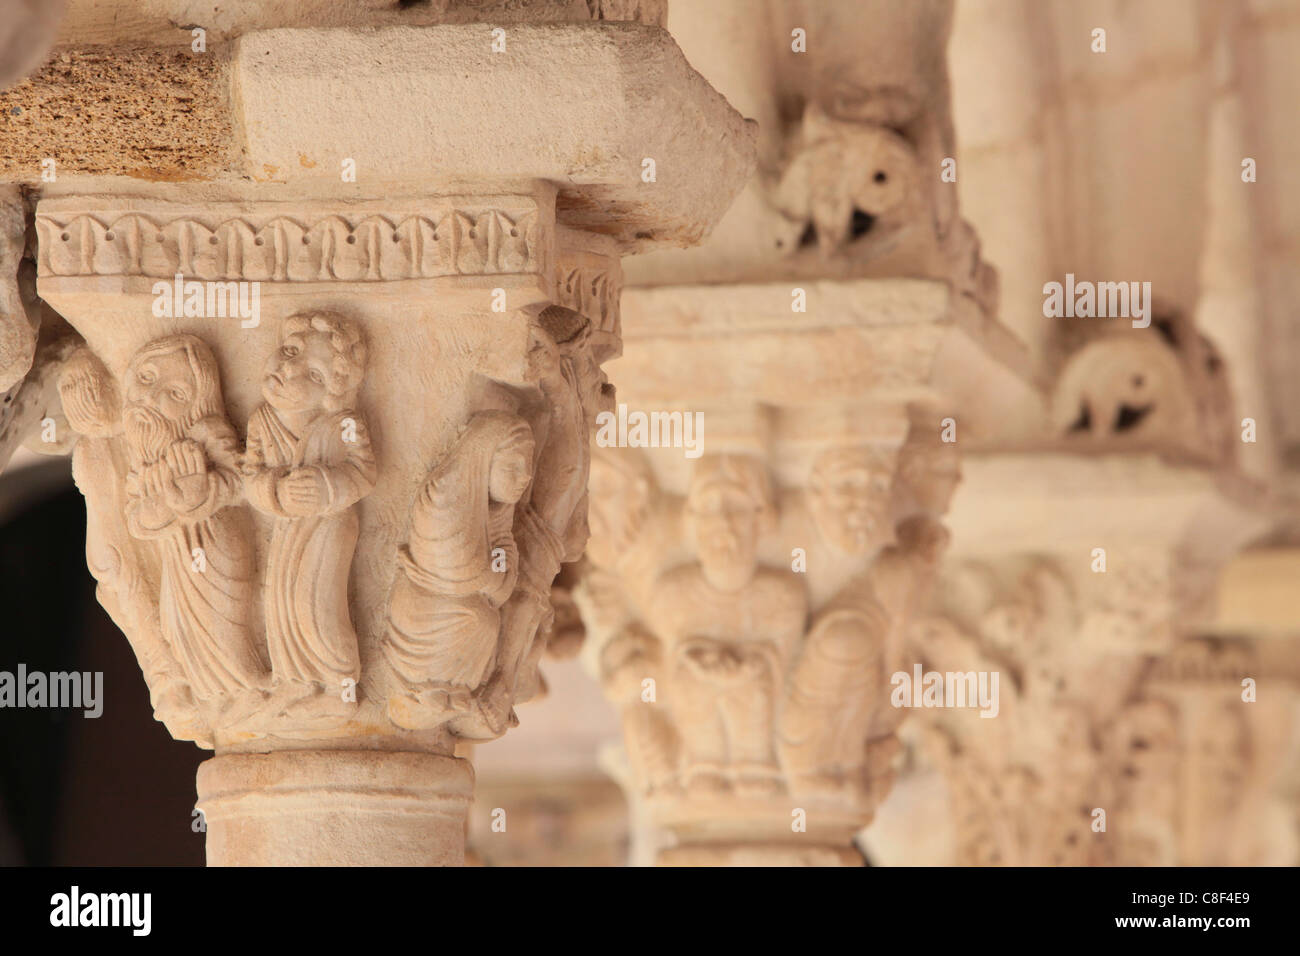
(583, 105)
(867, 340)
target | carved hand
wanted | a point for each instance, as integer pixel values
(146, 509)
(186, 457)
(715, 661)
(185, 493)
(302, 492)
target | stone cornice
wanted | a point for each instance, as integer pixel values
(459, 111)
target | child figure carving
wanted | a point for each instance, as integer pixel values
(308, 462)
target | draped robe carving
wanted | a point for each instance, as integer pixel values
(461, 562)
(309, 631)
(180, 490)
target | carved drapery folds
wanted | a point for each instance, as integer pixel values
(308, 462)
(304, 535)
(506, 506)
(272, 646)
(747, 633)
(332, 412)
(183, 494)
(330, 525)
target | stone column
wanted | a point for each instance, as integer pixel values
(333, 404)
(1232, 705)
(747, 592)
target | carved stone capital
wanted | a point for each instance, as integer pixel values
(333, 460)
(235, 460)
(1083, 611)
(746, 598)
(749, 652)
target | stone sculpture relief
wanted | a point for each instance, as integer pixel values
(929, 473)
(627, 510)
(1164, 387)
(182, 493)
(169, 487)
(470, 611)
(859, 186)
(847, 182)
(308, 462)
(737, 687)
(729, 627)
(853, 199)
(458, 568)
(848, 494)
(552, 525)
(451, 241)
(1210, 787)
(17, 328)
(263, 515)
(127, 584)
(1143, 750)
(1074, 732)
(35, 342)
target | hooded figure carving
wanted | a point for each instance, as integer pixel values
(461, 561)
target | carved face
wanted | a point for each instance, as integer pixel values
(300, 372)
(849, 495)
(594, 390)
(161, 394)
(508, 475)
(163, 384)
(726, 518)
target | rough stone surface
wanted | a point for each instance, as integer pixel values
(156, 115)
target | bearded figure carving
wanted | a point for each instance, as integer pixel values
(551, 522)
(730, 627)
(308, 462)
(849, 497)
(182, 490)
(127, 587)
